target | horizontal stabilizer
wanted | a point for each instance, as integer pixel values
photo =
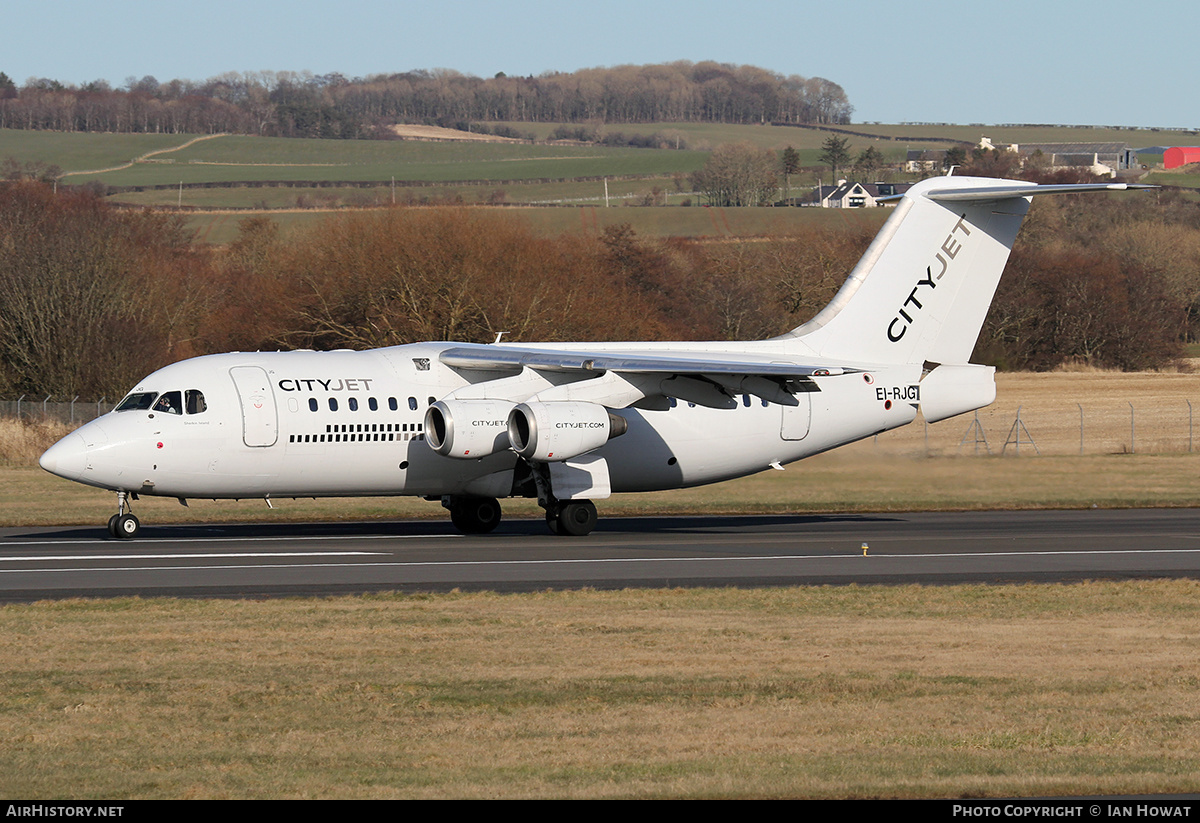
(922, 289)
(991, 193)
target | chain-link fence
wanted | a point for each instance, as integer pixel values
(1059, 429)
(72, 412)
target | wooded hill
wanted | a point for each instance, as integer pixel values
(288, 104)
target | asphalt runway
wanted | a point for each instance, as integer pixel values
(326, 559)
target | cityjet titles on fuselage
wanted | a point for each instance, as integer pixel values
(908, 309)
(333, 384)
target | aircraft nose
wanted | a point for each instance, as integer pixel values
(66, 458)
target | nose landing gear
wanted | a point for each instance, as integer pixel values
(123, 525)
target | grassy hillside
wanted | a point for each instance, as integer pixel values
(706, 136)
(239, 157)
(221, 228)
(243, 172)
(76, 151)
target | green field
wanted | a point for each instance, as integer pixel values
(707, 136)
(241, 170)
(568, 192)
(1173, 178)
(233, 158)
(245, 158)
(76, 151)
(221, 228)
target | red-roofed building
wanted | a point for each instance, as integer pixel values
(1177, 156)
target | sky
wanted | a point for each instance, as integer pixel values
(1020, 61)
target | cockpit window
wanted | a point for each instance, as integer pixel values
(139, 401)
(195, 401)
(169, 402)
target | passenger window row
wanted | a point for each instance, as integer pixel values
(375, 427)
(360, 436)
(372, 404)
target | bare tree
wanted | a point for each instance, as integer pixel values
(738, 174)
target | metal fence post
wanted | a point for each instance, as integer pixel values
(1080, 429)
(1132, 447)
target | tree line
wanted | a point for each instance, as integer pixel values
(290, 104)
(92, 298)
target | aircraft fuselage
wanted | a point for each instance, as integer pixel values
(346, 423)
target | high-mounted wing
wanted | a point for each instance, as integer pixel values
(507, 357)
(619, 378)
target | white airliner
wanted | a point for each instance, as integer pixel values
(569, 423)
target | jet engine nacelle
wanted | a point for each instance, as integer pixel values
(557, 431)
(467, 429)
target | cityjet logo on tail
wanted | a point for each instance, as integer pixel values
(909, 308)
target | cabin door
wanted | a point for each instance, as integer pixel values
(260, 420)
(796, 419)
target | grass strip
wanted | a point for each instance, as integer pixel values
(800, 692)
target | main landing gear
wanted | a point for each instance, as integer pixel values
(571, 518)
(481, 515)
(123, 525)
(567, 518)
(473, 515)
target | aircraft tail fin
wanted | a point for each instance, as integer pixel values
(921, 291)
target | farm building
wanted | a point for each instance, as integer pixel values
(1101, 158)
(1177, 156)
(921, 160)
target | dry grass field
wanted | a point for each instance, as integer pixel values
(1051, 404)
(801, 692)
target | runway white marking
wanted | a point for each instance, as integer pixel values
(596, 561)
(183, 556)
(169, 540)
